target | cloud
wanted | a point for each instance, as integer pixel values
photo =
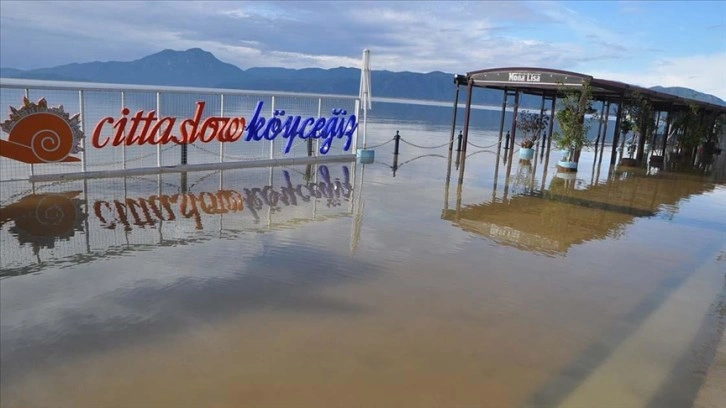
(630, 7)
(403, 36)
(252, 34)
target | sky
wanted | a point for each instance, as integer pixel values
(668, 43)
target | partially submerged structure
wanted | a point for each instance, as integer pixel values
(660, 115)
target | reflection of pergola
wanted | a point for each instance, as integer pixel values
(551, 84)
(553, 220)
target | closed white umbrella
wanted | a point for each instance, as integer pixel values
(365, 90)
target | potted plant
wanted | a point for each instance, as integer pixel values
(571, 136)
(526, 152)
(531, 125)
(626, 126)
(640, 118)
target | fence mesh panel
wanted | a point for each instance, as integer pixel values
(95, 103)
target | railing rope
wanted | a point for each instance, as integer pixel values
(397, 139)
(424, 147)
(380, 144)
(483, 147)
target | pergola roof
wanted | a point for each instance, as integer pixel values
(550, 82)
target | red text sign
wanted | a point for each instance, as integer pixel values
(141, 129)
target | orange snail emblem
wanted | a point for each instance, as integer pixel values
(39, 134)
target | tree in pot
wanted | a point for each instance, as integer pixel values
(531, 125)
(571, 136)
(626, 125)
(641, 115)
(691, 130)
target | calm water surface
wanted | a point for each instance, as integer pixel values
(341, 285)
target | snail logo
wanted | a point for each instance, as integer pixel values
(41, 219)
(39, 134)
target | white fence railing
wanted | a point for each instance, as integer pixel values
(95, 101)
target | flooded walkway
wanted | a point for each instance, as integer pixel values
(341, 285)
(713, 393)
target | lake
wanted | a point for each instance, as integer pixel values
(351, 285)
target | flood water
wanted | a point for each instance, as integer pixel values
(342, 285)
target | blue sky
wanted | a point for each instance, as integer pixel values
(647, 43)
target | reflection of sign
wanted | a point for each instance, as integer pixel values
(84, 226)
(148, 211)
(143, 212)
(39, 134)
(40, 219)
(146, 128)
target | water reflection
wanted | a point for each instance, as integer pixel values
(148, 211)
(530, 288)
(551, 217)
(60, 220)
(182, 274)
(42, 219)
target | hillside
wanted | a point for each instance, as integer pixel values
(689, 93)
(198, 68)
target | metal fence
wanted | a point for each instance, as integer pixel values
(96, 101)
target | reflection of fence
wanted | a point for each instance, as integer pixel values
(94, 102)
(82, 221)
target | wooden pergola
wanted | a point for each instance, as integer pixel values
(551, 84)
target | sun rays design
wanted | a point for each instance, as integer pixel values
(41, 134)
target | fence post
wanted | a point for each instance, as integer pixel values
(272, 114)
(158, 114)
(458, 150)
(308, 173)
(184, 153)
(396, 142)
(221, 113)
(83, 128)
(26, 93)
(123, 146)
(320, 113)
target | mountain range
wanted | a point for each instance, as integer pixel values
(198, 68)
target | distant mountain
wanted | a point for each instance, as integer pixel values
(194, 67)
(689, 93)
(198, 68)
(10, 72)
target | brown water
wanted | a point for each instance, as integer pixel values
(408, 291)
